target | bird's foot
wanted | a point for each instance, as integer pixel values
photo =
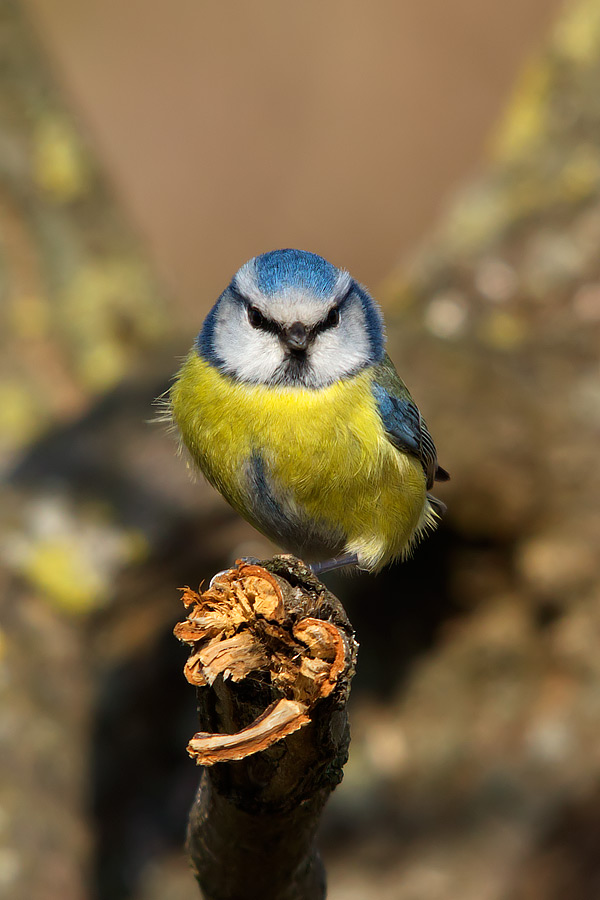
(338, 562)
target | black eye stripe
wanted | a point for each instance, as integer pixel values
(333, 316)
(258, 320)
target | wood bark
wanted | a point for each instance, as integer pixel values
(273, 654)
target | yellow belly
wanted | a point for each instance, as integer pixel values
(326, 453)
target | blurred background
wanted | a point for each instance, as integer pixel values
(448, 156)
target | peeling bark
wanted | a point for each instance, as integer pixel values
(272, 658)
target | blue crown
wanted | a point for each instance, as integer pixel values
(280, 269)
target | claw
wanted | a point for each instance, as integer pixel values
(245, 560)
(218, 575)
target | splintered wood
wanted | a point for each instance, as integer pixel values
(239, 627)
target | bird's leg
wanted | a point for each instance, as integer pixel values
(338, 562)
(318, 569)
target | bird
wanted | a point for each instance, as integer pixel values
(290, 406)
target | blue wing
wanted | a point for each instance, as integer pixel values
(403, 422)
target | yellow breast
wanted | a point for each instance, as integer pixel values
(326, 452)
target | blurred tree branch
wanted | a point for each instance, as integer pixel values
(80, 305)
(501, 307)
(80, 308)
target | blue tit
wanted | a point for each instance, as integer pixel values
(290, 406)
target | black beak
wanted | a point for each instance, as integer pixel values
(297, 337)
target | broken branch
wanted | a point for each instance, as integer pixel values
(272, 657)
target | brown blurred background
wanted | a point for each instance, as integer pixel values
(229, 129)
(446, 154)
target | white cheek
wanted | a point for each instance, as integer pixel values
(248, 353)
(340, 351)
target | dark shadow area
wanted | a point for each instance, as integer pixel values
(143, 782)
(98, 455)
(566, 862)
(412, 599)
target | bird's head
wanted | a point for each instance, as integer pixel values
(291, 318)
